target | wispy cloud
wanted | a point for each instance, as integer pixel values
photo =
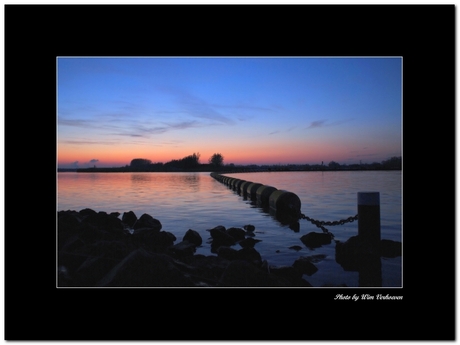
(290, 129)
(198, 107)
(74, 122)
(316, 124)
(218, 113)
(325, 123)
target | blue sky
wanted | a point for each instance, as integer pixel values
(261, 110)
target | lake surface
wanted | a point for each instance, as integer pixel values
(182, 201)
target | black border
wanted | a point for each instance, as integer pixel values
(424, 35)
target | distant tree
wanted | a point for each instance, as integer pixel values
(333, 165)
(392, 163)
(189, 162)
(137, 162)
(217, 160)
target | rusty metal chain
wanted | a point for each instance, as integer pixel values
(320, 224)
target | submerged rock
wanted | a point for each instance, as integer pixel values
(357, 252)
(305, 266)
(237, 233)
(249, 242)
(316, 239)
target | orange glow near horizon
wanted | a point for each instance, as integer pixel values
(256, 153)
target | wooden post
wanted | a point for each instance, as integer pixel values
(369, 216)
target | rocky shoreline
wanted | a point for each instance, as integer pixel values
(98, 249)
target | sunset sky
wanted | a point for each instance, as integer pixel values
(252, 110)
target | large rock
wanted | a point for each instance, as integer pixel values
(193, 236)
(141, 268)
(250, 255)
(354, 253)
(220, 237)
(129, 218)
(316, 239)
(105, 222)
(69, 227)
(148, 222)
(182, 249)
(390, 249)
(238, 234)
(227, 253)
(292, 275)
(248, 242)
(305, 266)
(87, 212)
(240, 273)
(153, 240)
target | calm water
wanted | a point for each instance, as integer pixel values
(183, 201)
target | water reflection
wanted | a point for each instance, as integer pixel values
(165, 197)
(183, 181)
(140, 177)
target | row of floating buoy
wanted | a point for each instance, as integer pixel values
(284, 204)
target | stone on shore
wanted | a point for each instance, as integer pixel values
(98, 249)
(193, 236)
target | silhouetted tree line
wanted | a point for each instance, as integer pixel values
(192, 163)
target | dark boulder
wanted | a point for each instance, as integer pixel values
(87, 211)
(249, 227)
(305, 266)
(248, 242)
(68, 226)
(68, 221)
(354, 253)
(90, 233)
(220, 237)
(105, 222)
(357, 252)
(184, 248)
(237, 233)
(144, 269)
(227, 253)
(193, 236)
(147, 221)
(87, 263)
(129, 218)
(316, 239)
(240, 273)
(251, 255)
(288, 272)
(163, 240)
(390, 249)
(205, 270)
(292, 275)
